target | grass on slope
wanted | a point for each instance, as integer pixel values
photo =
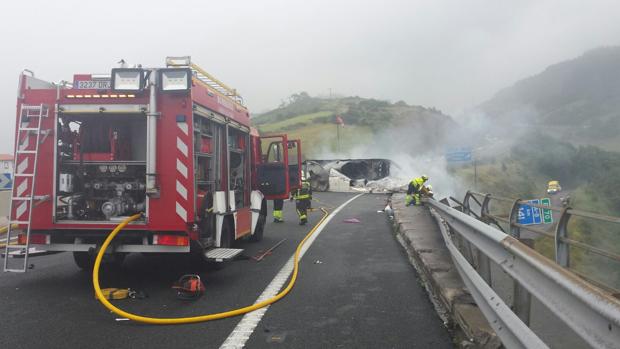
(321, 139)
(511, 179)
(296, 121)
(507, 177)
(598, 234)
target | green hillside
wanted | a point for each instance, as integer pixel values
(577, 100)
(313, 120)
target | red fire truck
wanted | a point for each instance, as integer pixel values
(173, 143)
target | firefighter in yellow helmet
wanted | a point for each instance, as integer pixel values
(414, 190)
(303, 200)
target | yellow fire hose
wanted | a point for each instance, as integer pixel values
(4, 230)
(201, 318)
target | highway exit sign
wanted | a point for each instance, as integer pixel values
(528, 215)
(547, 214)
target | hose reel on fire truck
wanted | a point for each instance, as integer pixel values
(201, 318)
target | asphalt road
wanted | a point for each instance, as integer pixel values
(356, 289)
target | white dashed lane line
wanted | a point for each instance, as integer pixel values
(240, 335)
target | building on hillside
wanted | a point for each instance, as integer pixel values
(6, 163)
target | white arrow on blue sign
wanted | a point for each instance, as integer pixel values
(5, 181)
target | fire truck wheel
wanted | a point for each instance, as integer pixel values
(260, 224)
(118, 259)
(84, 260)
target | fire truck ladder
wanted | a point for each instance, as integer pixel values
(205, 77)
(23, 191)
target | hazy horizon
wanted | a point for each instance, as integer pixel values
(444, 54)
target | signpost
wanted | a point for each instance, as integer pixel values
(529, 215)
(547, 214)
(463, 155)
(459, 155)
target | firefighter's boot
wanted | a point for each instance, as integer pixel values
(277, 216)
(417, 200)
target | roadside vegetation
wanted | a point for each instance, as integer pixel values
(313, 120)
(590, 174)
(560, 143)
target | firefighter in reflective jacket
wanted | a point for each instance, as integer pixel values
(303, 198)
(414, 190)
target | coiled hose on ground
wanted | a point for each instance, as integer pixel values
(193, 319)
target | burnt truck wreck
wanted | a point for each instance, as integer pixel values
(350, 175)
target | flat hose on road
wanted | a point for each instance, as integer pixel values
(193, 319)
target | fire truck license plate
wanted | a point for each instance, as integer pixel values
(94, 84)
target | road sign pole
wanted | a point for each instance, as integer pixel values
(475, 175)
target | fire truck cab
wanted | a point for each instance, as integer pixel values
(173, 143)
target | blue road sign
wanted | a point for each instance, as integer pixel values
(458, 155)
(5, 181)
(530, 215)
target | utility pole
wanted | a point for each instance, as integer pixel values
(338, 137)
(475, 175)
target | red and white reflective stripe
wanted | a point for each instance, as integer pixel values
(20, 190)
(24, 144)
(22, 187)
(21, 209)
(182, 172)
(181, 146)
(22, 166)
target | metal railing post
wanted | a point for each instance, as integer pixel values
(522, 299)
(466, 207)
(484, 209)
(515, 231)
(562, 249)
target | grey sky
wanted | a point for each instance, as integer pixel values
(447, 54)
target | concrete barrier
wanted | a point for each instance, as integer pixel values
(419, 235)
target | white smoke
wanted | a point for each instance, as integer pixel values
(406, 166)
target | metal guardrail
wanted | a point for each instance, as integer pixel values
(590, 312)
(560, 234)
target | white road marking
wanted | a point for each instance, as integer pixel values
(240, 335)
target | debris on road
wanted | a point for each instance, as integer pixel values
(351, 220)
(259, 257)
(345, 175)
(113, 293)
